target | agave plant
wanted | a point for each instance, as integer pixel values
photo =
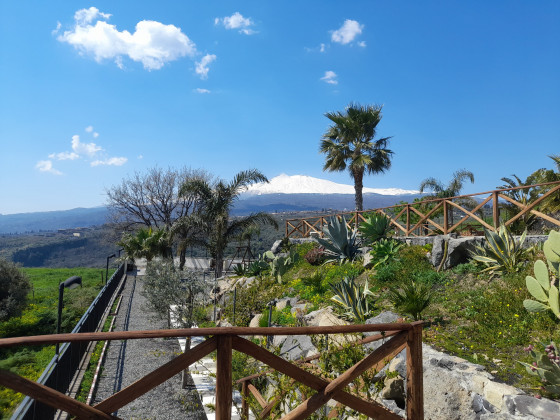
(502, 253)
(239, 269)
(411, 298)
(340, 244)
(375, 227)
(347, 294)
(385, 250)
(256, 268)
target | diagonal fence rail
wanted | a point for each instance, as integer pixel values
(465, 214)
(224, 340)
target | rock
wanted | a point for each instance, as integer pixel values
(525, 405)
(386, 317)
(222, 323)
(323, 317)
(494, 392)
(459, 250)
(285, 302)
(255, 321)
(394, 390)
(300, 307)
(297, 347)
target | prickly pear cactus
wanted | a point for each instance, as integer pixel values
(546, 366)
(542, 287)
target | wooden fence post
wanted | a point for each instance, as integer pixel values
(414, 373)
(223, 378)
(495, 210)
(408, 220)
(445, 221)
(244, 402)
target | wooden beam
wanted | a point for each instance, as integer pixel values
(532, 205)
(426, 217)
(244, 397)
(260, 399)
(471, 214)
(223, 378)
(371, 409)
(157, 377)
(50, 397)
(306, 408)
(199, 332)
(414, 373)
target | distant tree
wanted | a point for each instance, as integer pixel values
(349, 143)
(152, 200)
(147, 243)
(14, 286)
(452, 189)
(214, 205)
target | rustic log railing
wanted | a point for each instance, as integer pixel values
(224, 340)
(435, 216)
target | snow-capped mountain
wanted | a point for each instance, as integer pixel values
(302, 184)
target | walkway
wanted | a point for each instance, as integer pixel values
(128, 361)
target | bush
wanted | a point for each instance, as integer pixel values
(14, 286)
(315, 256)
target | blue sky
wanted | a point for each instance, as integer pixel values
(92, 91)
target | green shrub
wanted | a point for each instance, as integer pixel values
(338, 272)
(283, 317)
(465, 268)
(315, 256)
(411, 298)
(14, 286)
(430, 278)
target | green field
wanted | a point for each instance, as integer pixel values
(40, 317)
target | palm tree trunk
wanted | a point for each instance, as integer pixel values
(358, 187)
(182, 258)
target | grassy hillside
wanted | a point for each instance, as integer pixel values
(40, 317)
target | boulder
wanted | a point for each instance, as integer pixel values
(255, 321)
(285, 302)
(458, 249)
(323, 317)
(525, 405)
(296, 347)
(386, 317)
(393, 389)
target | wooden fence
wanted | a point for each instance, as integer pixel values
(436, 216)
(399, 336)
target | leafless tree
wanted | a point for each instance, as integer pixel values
(151, 199)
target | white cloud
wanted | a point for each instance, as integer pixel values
(362, 44)
(85, 16)
(322, 48)
(201, 90)
(58, 26)
(236, 21)
(202, 65)
(46, 166)
(347, 32)
(95, 135)
(330, 78)
(114, 161)
(89, 128)
(153, 43)
(80, 148)
(64, 156)
(140, 157)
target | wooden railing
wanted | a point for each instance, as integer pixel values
(436, 216)
(399, 336)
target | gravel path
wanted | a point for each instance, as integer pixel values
(128, 361)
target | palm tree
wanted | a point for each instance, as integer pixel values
(452, 189)
(349, 143)
(147, 243)
(213, 217)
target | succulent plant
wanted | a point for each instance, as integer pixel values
(411, 298)
(542, 287)
(280, 264)
(385, 250)
(340, 244)
(502, 253)
(546, 366)
(375, 227)
(347, 294)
